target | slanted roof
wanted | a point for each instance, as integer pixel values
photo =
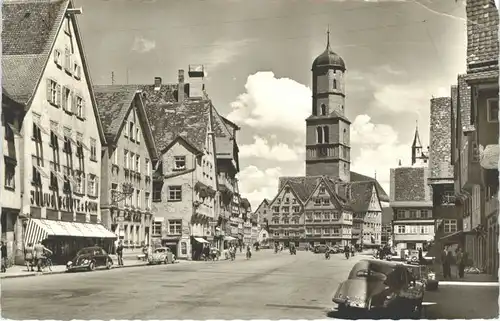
(302, 185)
(482, 34)
(410, 184)
(29, 30)
(355, 177)
(361, 194)
(114, 103)
(170, 119)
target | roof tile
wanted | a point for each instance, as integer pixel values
(361, 194)
(440, 138)
(464, 101)
(410, 184)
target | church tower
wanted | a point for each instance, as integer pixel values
(418, 158)
(328, 129)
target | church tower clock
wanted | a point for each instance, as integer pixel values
(328, 129)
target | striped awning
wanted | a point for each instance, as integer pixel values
(38, 230)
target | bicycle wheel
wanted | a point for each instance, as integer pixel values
(49, 264)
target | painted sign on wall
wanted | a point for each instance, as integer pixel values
(62, 203)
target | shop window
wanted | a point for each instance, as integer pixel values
(183, 248)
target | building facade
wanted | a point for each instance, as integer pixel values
(11, 202)
(185, 182)
(127, 164)
(411, 201)
(387, 232)
(61, 131)
(367, 214)
(262, 213)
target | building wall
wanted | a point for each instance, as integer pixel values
(119, 165)
(42, 111)
(287, 219)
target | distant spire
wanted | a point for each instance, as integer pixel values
(328, 37)
(416, 139)
(399, 162)
(375, 175)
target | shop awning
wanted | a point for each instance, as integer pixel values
(199, 239)
(229, 238)
(452, 238)
(38, 230)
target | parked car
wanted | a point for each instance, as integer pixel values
(90, 258)
(161, 255)
(385, 288)
(320, 248)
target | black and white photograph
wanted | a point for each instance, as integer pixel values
(249, 159)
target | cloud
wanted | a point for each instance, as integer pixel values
(261, 148)
(379, 149)
(221, 52)
(401, 98)
(272, 103)
(257, 184)
(143, 45)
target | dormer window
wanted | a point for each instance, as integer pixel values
(323, 109)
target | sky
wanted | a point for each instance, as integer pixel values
(258, 56)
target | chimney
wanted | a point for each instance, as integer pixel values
(180, 86)
(157, 83)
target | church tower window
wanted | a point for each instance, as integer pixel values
(323, 109)
(319, 135)
(335, 84)
(326, 134)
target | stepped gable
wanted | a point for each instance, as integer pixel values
(29, 29)
(170, 119)
(356, 177)
(361, 194)
(113, 104)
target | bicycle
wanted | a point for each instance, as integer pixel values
(46, 262)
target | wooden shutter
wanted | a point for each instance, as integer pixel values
(64, 99)
(49, 92)
(96, 186)
(58, 95)
(74, 110)
(84, 109)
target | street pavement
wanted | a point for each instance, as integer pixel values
(268, 286)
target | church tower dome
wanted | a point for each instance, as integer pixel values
(328, 58)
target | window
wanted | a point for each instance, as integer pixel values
(295, 220)
(137, 135)
(175, 193)
(77, 71)
(401, 229)
(319, 135)
(157, 187)
(335, 84)
(309, 216)
(53, 92)
(296, 209)
(322, 190)
(326, 216)
(308, 230)
(450, 226)
(317, 215)
(67, 59)
(276, 233)
(132, 161)
(413, 214)
(79, 106)
(10, 175)
(424, 213)
(131, 130)
(286, 221)
(93, 150)
(57, 57)
(67, 143)
(179, 162)
(125, 159)
(92, 185)
(326, 231)
(66, 99)
(276, 220)
(148, 167)
(317, 202)
(326, 201)
(336, 230)
(323, 109)
(175, 227)
(156, 229)
(147, 199)
(492, 111)
(138, 163)
(138, 198)
(276, 209)
(317, 231)
(326, 134)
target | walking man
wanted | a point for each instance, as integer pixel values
(40, 250)
(29, 256)
(119, 253)
(460, 263)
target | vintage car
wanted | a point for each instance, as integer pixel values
(387, 289)
(322, 248)
(161, 255)
(90, 258)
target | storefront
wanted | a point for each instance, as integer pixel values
(198, 246)
(64, 239)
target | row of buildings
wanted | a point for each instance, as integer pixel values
(330, 204)
(147, 164)
(460, 184)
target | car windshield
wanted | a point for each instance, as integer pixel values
(84, 252)
(160, 250)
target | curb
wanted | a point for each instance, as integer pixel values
(61, 272)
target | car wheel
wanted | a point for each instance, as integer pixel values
(109, 264)
(91, 266)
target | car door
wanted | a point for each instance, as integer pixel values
(99, 257)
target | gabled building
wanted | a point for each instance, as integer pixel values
(262, 213)
(411, 201)
(45, 70)
(185, 181)
(367, 214)
(128, 158)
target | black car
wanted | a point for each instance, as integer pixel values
(90, 258)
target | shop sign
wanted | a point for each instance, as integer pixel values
(62, 203)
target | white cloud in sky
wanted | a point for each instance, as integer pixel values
(363, 131)
(143, 45)
(261, 148)
(257, 184)
(272, 103)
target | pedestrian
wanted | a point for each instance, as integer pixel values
(29, 256)
(119, 253)
(449, 262)
(3, 248)
(40, 251)
(443, 262)
(460, 263)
